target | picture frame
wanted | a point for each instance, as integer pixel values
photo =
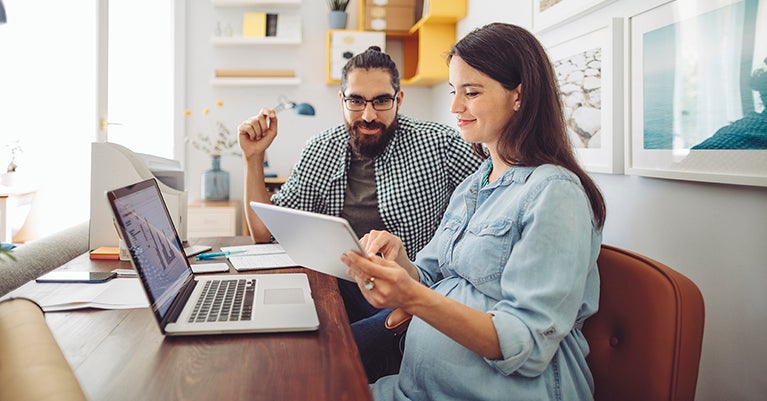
(688, 100)
(589, 67)
(547, 14)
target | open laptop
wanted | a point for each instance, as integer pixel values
(312, 240)
(184, 304)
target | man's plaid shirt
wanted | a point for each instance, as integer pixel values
(415, 176)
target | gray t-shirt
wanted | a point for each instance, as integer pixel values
(360, 202)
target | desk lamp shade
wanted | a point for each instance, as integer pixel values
(303, 109)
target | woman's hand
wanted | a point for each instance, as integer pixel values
(386, 244)
(257, 133)
(384, 283)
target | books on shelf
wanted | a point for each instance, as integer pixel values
(254, 25)
(259, 24)
(255, 73)
(271, 24)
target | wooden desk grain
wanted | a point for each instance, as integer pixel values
(121, 354)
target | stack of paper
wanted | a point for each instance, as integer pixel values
(259, 256)
(118, 293)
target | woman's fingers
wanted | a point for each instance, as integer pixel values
(381, 242)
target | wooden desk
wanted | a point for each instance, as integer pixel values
(121, 354)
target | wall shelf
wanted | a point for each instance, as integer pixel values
(422, 55)
(255, 81)
(251, 3)
(289, 33)
(243, 41)
(441, 12)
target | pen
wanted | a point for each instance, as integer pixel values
(212, 255)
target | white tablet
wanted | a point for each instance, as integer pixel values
(312, 240)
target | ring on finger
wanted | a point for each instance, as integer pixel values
(370, 283)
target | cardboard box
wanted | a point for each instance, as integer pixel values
(389, 15)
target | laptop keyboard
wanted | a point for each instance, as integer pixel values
(224, 300)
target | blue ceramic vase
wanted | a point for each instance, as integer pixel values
(215, 182)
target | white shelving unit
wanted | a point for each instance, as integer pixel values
(242, 41)
(255, 81)
(289, 33)
(249, 3)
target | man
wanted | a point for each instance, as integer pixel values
(379, 170)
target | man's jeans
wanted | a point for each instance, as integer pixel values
(379, 348)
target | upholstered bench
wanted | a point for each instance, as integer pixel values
(41, 256)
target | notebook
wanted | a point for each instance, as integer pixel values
(312, 240)
(185, 304)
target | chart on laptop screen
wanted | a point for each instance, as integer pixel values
(152, 243)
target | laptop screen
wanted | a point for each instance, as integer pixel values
(152, 240)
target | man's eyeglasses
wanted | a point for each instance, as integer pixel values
(357, 103)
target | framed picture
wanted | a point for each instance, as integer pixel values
(698, 86)
(549, 13)
(589, 68)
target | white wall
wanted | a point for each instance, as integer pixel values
(715, 234)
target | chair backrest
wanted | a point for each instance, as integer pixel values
(646, 338)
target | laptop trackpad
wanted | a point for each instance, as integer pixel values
(276, 296)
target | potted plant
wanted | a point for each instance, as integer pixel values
(5, 252)
(337, 16)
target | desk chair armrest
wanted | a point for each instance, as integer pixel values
(32, 366)
(398, 320)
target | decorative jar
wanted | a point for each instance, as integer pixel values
(215, 182)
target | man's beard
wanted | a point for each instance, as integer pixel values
(369, 145)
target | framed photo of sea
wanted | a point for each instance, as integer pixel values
(589, 68)
(698, 88)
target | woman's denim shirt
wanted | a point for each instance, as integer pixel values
(524, 249)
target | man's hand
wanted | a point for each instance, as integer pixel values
(257, 133)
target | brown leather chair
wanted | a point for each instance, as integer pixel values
(646, 337)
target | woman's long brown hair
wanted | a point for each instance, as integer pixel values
(536, 134)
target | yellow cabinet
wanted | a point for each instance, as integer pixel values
(424, 45)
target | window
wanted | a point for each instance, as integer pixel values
(48, 101)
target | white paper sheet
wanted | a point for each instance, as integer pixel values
(254, 249)
(256, 262)
(118, 293)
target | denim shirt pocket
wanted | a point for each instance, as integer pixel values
(484, 251)
(451, 225)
